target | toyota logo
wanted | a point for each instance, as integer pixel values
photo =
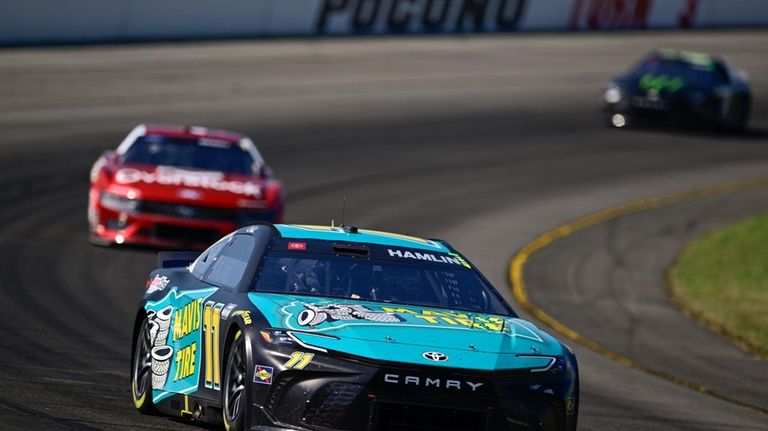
(435, 356)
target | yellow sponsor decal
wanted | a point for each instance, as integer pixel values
(450, 318)
(185, 362)
(246, 315)
(187, 319)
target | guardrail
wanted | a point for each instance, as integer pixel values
(87, 21)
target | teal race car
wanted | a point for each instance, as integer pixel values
(289, 327)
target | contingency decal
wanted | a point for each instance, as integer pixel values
(332, 315)
(158, 283)
(263, 374)
(228, 310)
(176, 330)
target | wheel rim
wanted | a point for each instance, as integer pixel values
(235, 381)
(142, 362)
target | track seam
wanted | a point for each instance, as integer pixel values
(518, 261)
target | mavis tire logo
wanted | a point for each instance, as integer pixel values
(399, 16)
(435, 356)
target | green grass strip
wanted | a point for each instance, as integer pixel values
(721, 280)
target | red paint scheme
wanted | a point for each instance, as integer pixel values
(169, 207)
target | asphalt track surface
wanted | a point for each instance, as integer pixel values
(485, 141)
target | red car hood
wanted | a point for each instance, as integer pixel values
(166, 183)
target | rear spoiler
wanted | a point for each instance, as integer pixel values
(176, 259)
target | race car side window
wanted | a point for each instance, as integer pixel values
(201, 265)
(228, 268)
(722, 77)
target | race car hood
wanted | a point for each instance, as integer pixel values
(405, 333)
(166, 183)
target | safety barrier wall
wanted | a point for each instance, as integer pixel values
(74, 21)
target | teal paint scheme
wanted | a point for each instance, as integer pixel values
(319, 331)
(402, 333)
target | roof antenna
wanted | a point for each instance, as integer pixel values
(343, 209)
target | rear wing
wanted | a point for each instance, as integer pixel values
(176, 259)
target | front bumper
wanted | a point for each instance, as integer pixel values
(162, 229)
(338, 394)
(676, 111)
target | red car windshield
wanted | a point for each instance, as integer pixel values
(191, 153)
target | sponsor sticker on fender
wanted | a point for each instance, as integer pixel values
(263, 374)
(158, 283)
(167, 175)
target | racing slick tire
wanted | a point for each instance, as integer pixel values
(737, 118)
(141, 370)
(742, 114)
(235, 394)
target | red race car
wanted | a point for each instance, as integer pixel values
(180, 187)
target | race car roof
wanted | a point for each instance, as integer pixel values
(697, 58)
(191, 132)
(330, 233)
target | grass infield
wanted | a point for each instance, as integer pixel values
(721, 280)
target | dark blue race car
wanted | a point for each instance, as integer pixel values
(681, 88)
(333, 328)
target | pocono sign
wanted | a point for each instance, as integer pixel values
(396, 16)
(166, 175)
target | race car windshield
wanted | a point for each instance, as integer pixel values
(205, 154)
(692, 74)
(426, 284)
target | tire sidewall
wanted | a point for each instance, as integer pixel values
(144, 402)
(237, 423)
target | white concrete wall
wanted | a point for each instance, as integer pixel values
(56, 21)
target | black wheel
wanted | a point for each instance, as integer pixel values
(736, 119)
(235, 391)
(141, 371)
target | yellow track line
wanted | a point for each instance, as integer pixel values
(518, 261)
